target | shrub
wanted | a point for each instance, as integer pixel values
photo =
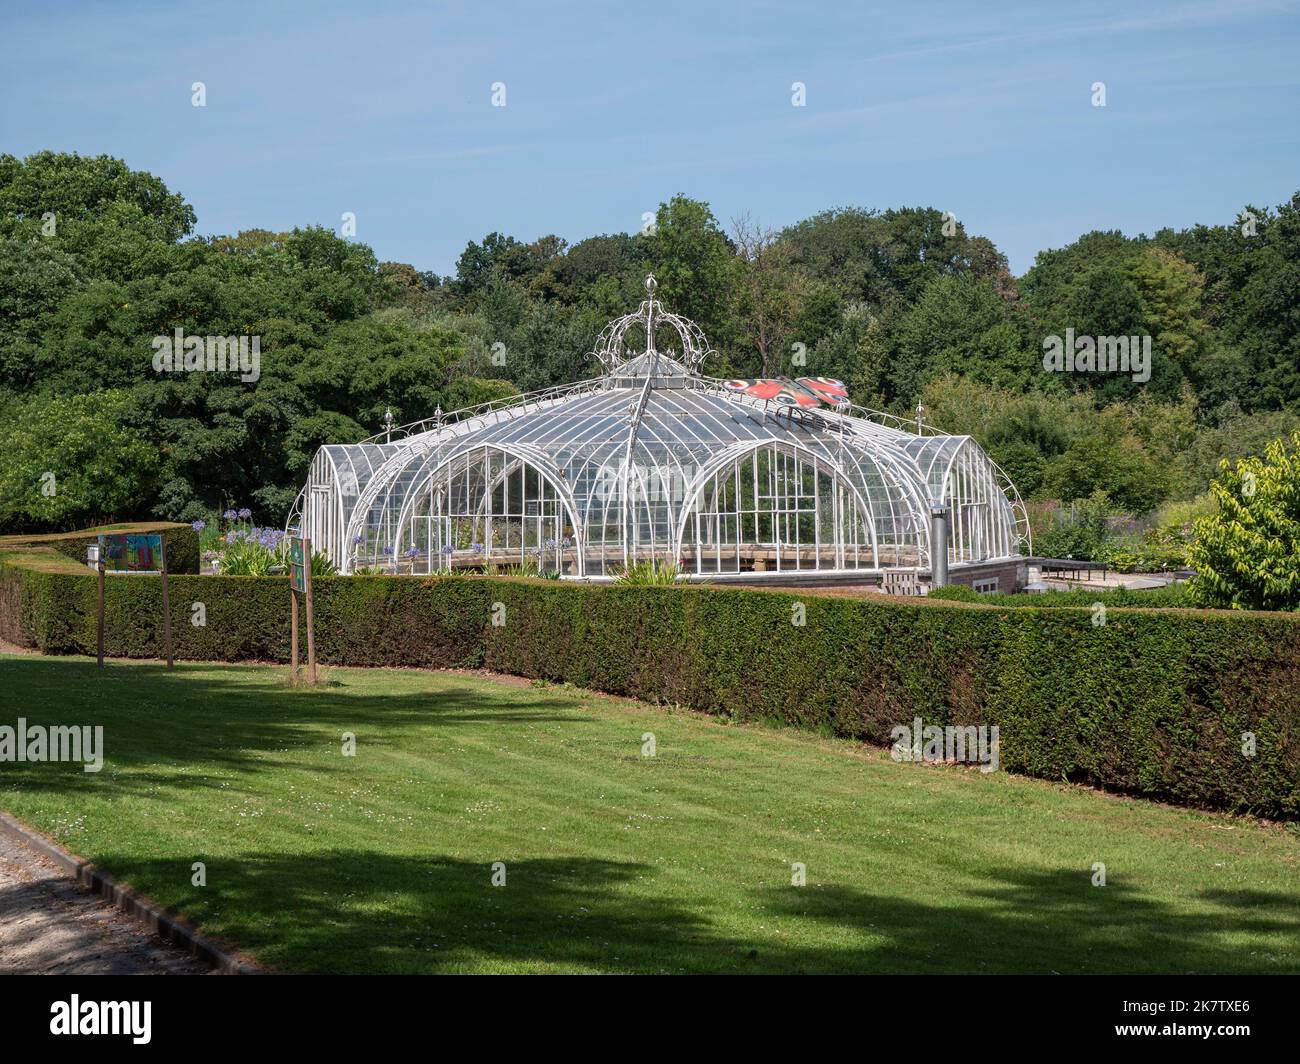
(1158, 551)
(1081, 533)
(1247, 554)
(248, 558)
(650, 572)
(1165, 546)
(1182, 514)
(253, 551)
(322, 566)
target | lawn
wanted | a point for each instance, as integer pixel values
(615, 862)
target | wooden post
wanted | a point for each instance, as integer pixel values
(293, 634)
(99, 637)
(166, 605)
(311, 626)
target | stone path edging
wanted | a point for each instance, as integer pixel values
(165, 925)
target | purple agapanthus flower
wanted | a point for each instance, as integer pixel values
(550, 544)
(414, 552)
(199, 526)
(388, 550)
(358, 540)
(448, 549)
(230, 515)
(245, 513)
(477, 548)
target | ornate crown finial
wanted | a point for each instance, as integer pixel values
(610, 346)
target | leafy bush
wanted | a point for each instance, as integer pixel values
(1164, 547)
(1247, 554)
(1079, 533)
(322, 566)
(1069, 541)
(252, 551)
(1159, 550)
(248, 558)
(1153, 702)
(1183, 513)
(1091, 531)
(649, 572)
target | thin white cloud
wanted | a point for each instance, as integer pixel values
(1235, 10)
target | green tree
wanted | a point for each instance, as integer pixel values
(80, 188)
(478, 263)
(770, 295)
(960, 324)
(35, 278)
(1021, 432)
(1102, 462)
(855, 350)
(922, 244)
(72, 460)
(1234, 434)
(610, 257)
(693, 262)
(888, 258)
(1171, 304)
(1252, 294)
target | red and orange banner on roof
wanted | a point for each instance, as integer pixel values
(805, 392)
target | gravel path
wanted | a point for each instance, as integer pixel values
(51, 926)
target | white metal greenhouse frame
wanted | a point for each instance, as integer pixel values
(651, 460)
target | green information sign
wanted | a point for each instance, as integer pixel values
(131, 552)
(298, 562)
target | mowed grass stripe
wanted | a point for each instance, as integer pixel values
(317, 862)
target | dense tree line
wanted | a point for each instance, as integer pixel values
(98, 260)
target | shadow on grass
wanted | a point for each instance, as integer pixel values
(366, 912)
(222, 720)
(361, 910)
(1056, 921)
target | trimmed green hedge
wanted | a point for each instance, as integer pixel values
(1154, 702)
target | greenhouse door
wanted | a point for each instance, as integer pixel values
(318, 523)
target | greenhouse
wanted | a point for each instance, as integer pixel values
(651, 461)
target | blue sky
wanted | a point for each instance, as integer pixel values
(384, 110)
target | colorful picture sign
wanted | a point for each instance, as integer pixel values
(131, 552)
(298, 562)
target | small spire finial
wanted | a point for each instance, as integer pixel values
(651, 284)
(388, 424)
